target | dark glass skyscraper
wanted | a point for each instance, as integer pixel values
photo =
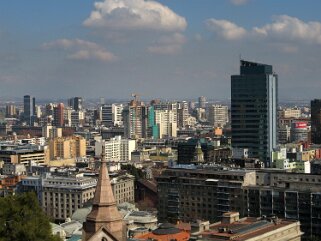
(28, 109)
(76, 103)
(316, 121)
(254, 98)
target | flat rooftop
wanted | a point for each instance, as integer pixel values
(244, 229)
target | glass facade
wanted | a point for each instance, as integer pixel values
(253, 110)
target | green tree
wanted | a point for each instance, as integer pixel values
(22, 219)
(136, 172)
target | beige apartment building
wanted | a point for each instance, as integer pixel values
(67, 148)
(123, 188)
(24, 156)
(63, 195)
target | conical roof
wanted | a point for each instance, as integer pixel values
(104, 205)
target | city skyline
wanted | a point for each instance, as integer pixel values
(161, 49)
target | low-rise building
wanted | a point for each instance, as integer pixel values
(123, 188)
(251, 229)
(8, 184)
(24, 155)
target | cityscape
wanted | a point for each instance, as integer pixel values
(144, 120)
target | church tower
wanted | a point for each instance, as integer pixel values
(198, 155)
(104, 222)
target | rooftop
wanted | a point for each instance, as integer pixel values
(245, 229)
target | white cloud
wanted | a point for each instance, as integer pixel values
(81, 50)
(225, 29)
(169, 44)
(239, 2)
(290, 28)
(135, 15)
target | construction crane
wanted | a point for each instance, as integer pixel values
(136, 96)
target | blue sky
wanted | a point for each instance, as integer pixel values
(163, 49)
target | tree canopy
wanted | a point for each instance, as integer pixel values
(137, 173)
(21, 218)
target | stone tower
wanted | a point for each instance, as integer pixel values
(198, 155)
(104, 222)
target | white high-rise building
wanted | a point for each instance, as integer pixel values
(218, 115)
(116, 149)
(202, 102)
(67, 116)
(182, 114)
(167, 123)
(118, 114)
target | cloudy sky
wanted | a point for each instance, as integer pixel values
(166, 49)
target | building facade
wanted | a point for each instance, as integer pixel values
(59, 115)
(254, 98)
(62, 196)
(316, 121)
(76, 103)
(67, 148)
(135, 118)
(191, 194)
(206, 193)
(116, 149)
(28, 109)
(123, 188)
(218, 115)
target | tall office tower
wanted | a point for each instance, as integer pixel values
(59, 115)
(182, 114)
(49, 109)
(11, 110)
(254, 98)
(316, 121)
(218, 115)
(107, 115)
(34, 106)
(153, 130)
(112, 115)
(118, 114)
(76, 103)
(191, 106)
(165, 117)
(28, 111)
(202, 102)
(77, 118)
(38, 111)
(135, 120)
(67, 116)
